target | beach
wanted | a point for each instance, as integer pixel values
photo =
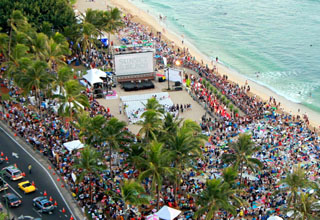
(149, 20)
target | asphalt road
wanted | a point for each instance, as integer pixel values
(38, 175)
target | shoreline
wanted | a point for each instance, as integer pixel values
(261, 91)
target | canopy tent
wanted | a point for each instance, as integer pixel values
(167, 213)
(97, 72)
(73, 145)
(152, 217)
(93, 76)
(275, 218)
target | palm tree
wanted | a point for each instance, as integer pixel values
(307, 207)
(89, 163)
(88, 37)
(217, 195)
(17, 23)
(156, 165)
(295, 182)
(185, 146)
(132, 193)
(241, 154)
(82, 124)
(56, 48)
(72, 100)
(230, 175)
(4, 40)
(96, 18)
(35, 79)
(38, 45)
(151, 124)
(170, 124)
(113, 22)
(18, 61)
(153, 104)
(64, 74)
(114, 134)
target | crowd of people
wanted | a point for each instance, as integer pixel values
(285, 141)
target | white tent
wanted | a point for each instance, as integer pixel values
(275, 218)
(97, 72)
(93, 76)
(167, 213)
(73, 145)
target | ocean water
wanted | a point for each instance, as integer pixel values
(275, 43)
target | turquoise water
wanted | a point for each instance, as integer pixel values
(280, 39)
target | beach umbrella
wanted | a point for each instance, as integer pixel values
(275, 218)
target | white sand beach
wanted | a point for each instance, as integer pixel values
(151, 21)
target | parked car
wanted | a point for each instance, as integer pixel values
(3, 185)
(43, 204)
(26, 187)
(13, 172)
(11, 199)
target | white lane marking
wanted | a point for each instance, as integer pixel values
(15, 155)
(37, 211)
(13, 189)
(74, 216)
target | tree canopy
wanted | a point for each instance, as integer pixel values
(43, 15)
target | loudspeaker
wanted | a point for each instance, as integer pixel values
(178, 88)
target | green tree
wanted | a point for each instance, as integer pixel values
(230, 175)
(185, 147)
(114, 134)
(170, 125)
(307, 207)
(88, 37)
(153, 104)
(4, 43)
(56, 48)
(113, 22)
(89, 163)
(57, 13)
(295, 182)
(82, 123)
(72, 100)
(217, 195)
(35, 79)
(241, 154)
(151, 124)
(156, 165)
(132, 193)
(64, 74)
(18, 61)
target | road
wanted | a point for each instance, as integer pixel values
(16, 155)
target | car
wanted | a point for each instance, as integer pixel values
(3, 185)
(27, 187)
(11, 199)
(13, 172)
(43, 204)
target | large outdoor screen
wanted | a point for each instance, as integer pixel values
(135, 63)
